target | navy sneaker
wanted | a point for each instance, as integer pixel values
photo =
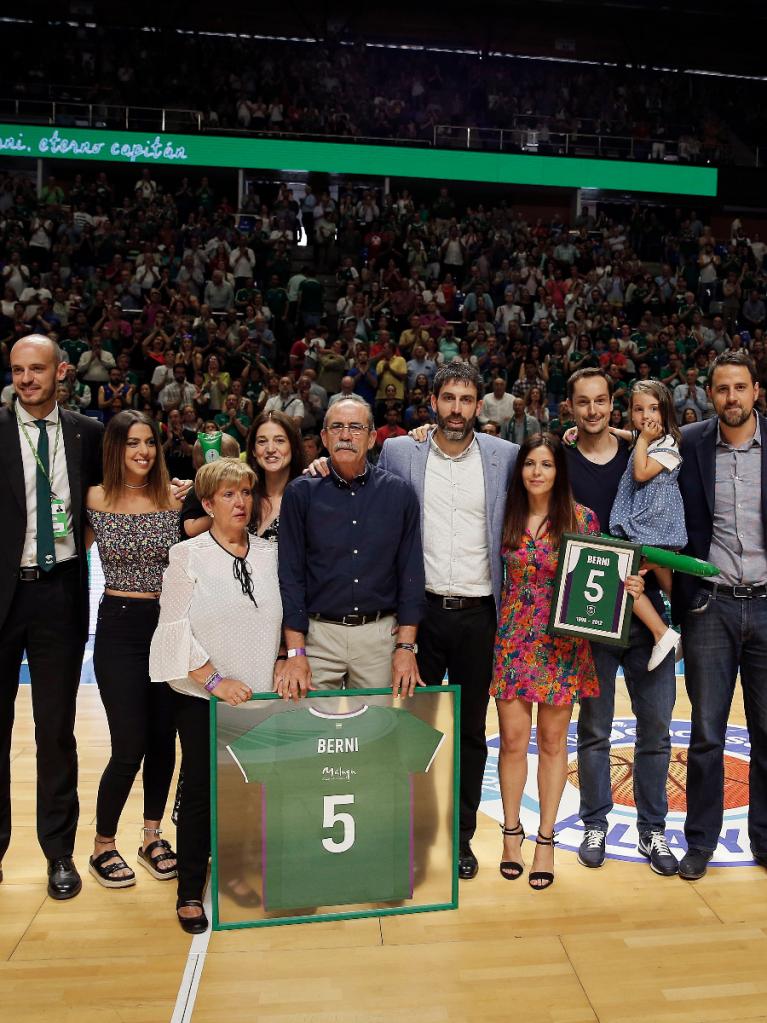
(654, 846)
(592, 849)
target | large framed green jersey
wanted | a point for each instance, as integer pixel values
(343, 804)
(590, 599)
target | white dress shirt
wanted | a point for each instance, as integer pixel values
(455, 547)
(64, 545)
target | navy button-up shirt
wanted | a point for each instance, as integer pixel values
(350, 548)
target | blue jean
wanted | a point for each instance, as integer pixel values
(722, 634)
(652, 695)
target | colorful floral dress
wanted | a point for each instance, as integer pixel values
(530, 663)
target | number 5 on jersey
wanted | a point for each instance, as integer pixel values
(331, 817)
(593, 592)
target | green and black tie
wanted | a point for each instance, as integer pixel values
(46, 547)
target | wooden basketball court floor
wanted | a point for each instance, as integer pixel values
(616, 945)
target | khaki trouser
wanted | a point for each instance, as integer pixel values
(351, 656)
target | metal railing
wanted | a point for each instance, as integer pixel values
(74, 114)
(543, 142)
(527, 135)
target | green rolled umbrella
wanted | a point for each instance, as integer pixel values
(678, 562)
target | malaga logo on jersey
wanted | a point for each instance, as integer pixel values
(733, 849)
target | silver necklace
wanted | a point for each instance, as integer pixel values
(136, 486)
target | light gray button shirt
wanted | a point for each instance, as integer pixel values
(456, 553)
(738, 541)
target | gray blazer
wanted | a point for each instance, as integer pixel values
(407, 458)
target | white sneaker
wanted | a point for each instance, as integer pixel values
(669, 641)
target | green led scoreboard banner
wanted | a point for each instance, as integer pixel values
(339, 806)
(128, 147)
(590, 598)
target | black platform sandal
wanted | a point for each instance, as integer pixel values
(509, 865)
(104, 871)
(192, 924)
(545, 876)
(154, 854)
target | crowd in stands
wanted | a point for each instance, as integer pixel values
(167, 301)
(359, 90)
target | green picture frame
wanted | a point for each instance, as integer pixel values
(590, 600)
(216, 741)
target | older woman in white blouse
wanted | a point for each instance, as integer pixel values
(219, 632)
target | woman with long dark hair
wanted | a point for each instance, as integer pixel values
(134, 520)
(531, 665)
(276, 455)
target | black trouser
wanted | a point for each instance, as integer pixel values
(193, 830)
(139, 712)
(45, 621)
(461, 642)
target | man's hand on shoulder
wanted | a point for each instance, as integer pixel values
(180, 488)
(421, 433)
(319, 467)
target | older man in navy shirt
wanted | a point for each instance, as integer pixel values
(351, 568)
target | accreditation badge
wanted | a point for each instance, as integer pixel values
(59, 518)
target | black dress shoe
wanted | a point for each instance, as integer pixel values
(694, 863)
(467, 863)
(63, 880)
(760, 857)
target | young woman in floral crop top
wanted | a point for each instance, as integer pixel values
(134, 520)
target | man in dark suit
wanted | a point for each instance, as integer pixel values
(724, 620)
(49, 458)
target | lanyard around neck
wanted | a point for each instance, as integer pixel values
(47, 474)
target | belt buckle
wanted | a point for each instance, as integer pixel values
(452, 603)
(353, 620)
(742, 591)
(29, 574)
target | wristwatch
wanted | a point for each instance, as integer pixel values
(412, 647)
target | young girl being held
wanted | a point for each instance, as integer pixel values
(648, 506)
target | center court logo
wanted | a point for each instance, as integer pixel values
(733, 849)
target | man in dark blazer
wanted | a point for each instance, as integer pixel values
(49, 458)
(723, 480)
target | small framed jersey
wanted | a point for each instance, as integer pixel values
(339, 806)
(590, 600)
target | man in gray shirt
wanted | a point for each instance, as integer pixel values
(723, 481)
(219, 294)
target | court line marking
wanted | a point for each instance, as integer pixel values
(195, 963)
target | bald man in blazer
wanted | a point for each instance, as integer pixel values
(44, 590)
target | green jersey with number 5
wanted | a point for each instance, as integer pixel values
(594, 589)
(337, 799)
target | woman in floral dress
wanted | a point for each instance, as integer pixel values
(531, 665)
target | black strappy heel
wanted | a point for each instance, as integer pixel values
(508, 865)
(545, 876)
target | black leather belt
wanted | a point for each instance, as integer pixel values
(353, 619)
(742, 592)
(32, 573)
(457, 603)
